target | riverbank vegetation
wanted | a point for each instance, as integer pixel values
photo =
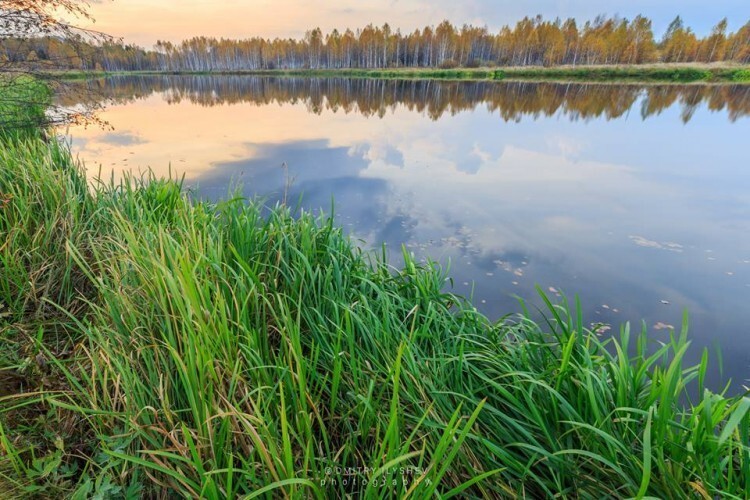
(662, 73)
(153, 345)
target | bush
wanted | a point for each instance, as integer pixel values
(23, 101)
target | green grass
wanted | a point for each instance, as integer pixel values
(680, 74)
(154, 346)
(639, 73)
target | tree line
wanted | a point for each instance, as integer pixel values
(532, 41)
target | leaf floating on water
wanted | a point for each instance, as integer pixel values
(663, 326)
(645, 242)
(600, 328)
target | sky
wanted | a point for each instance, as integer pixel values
(145, 21)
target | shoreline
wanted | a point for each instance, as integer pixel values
(681, 74)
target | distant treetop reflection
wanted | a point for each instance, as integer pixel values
(372, 97)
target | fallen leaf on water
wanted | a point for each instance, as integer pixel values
(600, 328)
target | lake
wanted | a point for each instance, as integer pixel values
(636, 198)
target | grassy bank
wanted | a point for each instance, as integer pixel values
(664, 73)
(154, 346)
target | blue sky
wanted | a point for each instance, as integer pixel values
(145, 21)
(702, 15)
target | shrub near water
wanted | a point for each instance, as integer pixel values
(23, 101)
(209, 350)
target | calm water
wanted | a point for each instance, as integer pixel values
(635, 198)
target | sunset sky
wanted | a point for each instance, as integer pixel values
(145, 21)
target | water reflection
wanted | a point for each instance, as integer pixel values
(640, 217)
(511, 100)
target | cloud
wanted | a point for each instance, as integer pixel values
(122, 139)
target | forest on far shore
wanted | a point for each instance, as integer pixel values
(531, 42)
